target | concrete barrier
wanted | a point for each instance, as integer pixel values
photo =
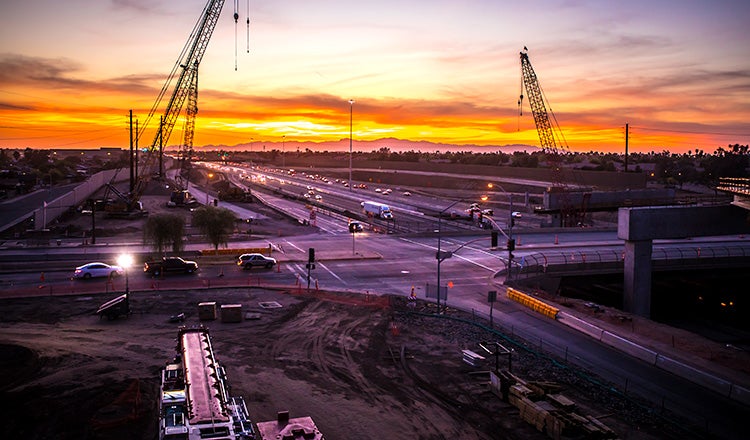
(259, 250)
(694, 375)
(580, 325)
(629, 347)
(724, 387)
(740, 394)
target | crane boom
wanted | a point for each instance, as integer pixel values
(544, 127)
(186, 72)
(536, 101)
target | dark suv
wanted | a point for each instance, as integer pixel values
(248, 261)
(169, 264)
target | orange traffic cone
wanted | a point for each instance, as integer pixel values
(518, 240)
(41, 280)
(556, 241)
(278, 267)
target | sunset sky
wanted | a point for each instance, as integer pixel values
(678, 71)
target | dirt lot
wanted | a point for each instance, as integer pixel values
(68, 375)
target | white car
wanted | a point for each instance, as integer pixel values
(248, 261)
(97, 270)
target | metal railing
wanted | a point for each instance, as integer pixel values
(595, 261)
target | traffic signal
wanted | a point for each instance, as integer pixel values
(311, 255)
(493, 239)
(511, 244)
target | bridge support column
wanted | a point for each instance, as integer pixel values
(637, 285)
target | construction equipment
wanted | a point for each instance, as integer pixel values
(184, 75)
(114, 308)
(550, 136)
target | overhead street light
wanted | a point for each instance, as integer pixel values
(125, 261)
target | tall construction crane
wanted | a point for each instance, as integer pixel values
(184, 75)
(548, 139)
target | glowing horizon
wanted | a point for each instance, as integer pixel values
(419, 71)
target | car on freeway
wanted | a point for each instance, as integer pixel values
(355, 227)
(318, 197)
(248, 261)
(97, 270)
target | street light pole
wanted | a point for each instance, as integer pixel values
(283, 157)
(125, 261)
(439, 256)
(351, 115)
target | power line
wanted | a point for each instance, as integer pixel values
(689, 131)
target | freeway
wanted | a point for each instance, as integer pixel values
(394, 264)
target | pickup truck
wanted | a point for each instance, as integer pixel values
(169, 264)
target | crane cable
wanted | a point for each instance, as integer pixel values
(248, 26)
(236, 17)
(520, 97)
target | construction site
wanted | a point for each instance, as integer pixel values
(358, 366)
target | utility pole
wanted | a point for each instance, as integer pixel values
(135, 169)
(130, 156)
(626, 148)
(161, 146)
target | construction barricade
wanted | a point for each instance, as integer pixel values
(533, 303)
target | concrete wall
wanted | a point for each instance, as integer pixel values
(45, 215)
(613, 199)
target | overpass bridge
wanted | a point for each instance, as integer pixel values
(739, 187)
(549, 267)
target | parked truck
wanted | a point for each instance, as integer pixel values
(379, 210)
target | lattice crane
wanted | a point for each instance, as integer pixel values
(184, 75)
(549, 141)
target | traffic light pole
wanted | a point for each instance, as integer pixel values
(511, 241)
(310, 264)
